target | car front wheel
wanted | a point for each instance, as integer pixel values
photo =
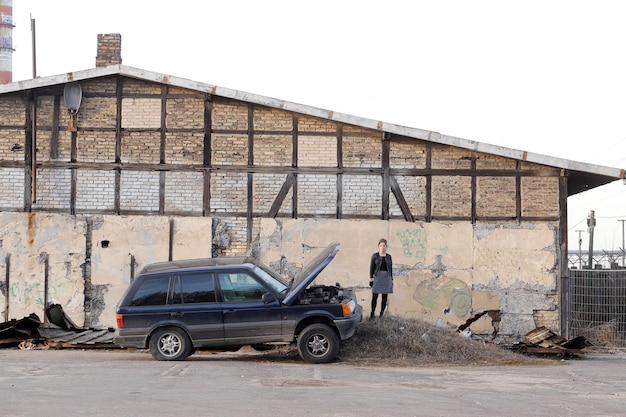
(318, 343)
(170, 344)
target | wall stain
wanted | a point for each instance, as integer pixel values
(451, 295)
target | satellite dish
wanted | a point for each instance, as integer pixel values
(72, 93)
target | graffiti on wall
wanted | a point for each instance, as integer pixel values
(414, 245)
(31, 294)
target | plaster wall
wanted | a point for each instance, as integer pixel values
(40, 252)
(443, 272)
(122, 245)
(36, 246)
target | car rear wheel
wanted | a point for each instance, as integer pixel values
(318, 343)
(170, 344)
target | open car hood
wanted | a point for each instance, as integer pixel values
(310, 272)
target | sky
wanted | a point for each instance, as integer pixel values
(547, 77)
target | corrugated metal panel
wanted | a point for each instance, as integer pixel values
(76, 336)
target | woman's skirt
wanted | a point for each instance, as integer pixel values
(383, 284)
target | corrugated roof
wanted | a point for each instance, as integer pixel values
(582, 176)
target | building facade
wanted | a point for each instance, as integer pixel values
(153, 167)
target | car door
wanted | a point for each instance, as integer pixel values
(247, 318)
(195, 306)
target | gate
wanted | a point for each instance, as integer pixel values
(597, 306)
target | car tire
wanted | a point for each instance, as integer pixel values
(318, 343)
(170, 344)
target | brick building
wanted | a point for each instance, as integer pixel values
(154, 167)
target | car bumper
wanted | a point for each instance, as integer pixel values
(130, 340)
(347, 326)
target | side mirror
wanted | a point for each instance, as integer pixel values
(268, 298)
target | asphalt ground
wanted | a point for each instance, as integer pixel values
(74, 382)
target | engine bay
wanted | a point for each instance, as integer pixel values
(325, 294)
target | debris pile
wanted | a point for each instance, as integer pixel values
(15, 331)
(542, 341)
(59, 331)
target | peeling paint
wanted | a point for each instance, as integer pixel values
(98, 302)
(438, 268)
(483, 231)
(221, 237)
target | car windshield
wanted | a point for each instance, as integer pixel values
(271, 278)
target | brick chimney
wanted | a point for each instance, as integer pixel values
(109, 49)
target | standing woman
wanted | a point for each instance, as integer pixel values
(381, 277)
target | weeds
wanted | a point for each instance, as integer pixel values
(397, 341)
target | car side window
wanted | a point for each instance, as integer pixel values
(151, 292)
(194, 288)
(240, 286)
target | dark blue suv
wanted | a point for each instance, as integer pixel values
(174, 308)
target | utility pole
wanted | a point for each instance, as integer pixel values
(580, 249)
(591, 223)
(622, 248)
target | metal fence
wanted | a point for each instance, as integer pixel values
(597, 306)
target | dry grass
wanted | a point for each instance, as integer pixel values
(395, 341)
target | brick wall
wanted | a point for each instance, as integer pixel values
(452, 196)
(12, 110)
(362, 152)
(540, 196)
(414, 192)
(272, 119)
(495, 196)
(230, 116)
(139, 191)
(265, 189)
(141, 113)
(229, 193)
(362, 195)
(11, 145)
(317, 151)
(273, 133)
(53, 189)
(312, 124)
(183, 192)
(407, 154)
(95, 190)
(447, 157)
(92, 146)
(12, 195)
(185, 113)
(273, 150)
(317, 195)
(140, 147)
(184, 148)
